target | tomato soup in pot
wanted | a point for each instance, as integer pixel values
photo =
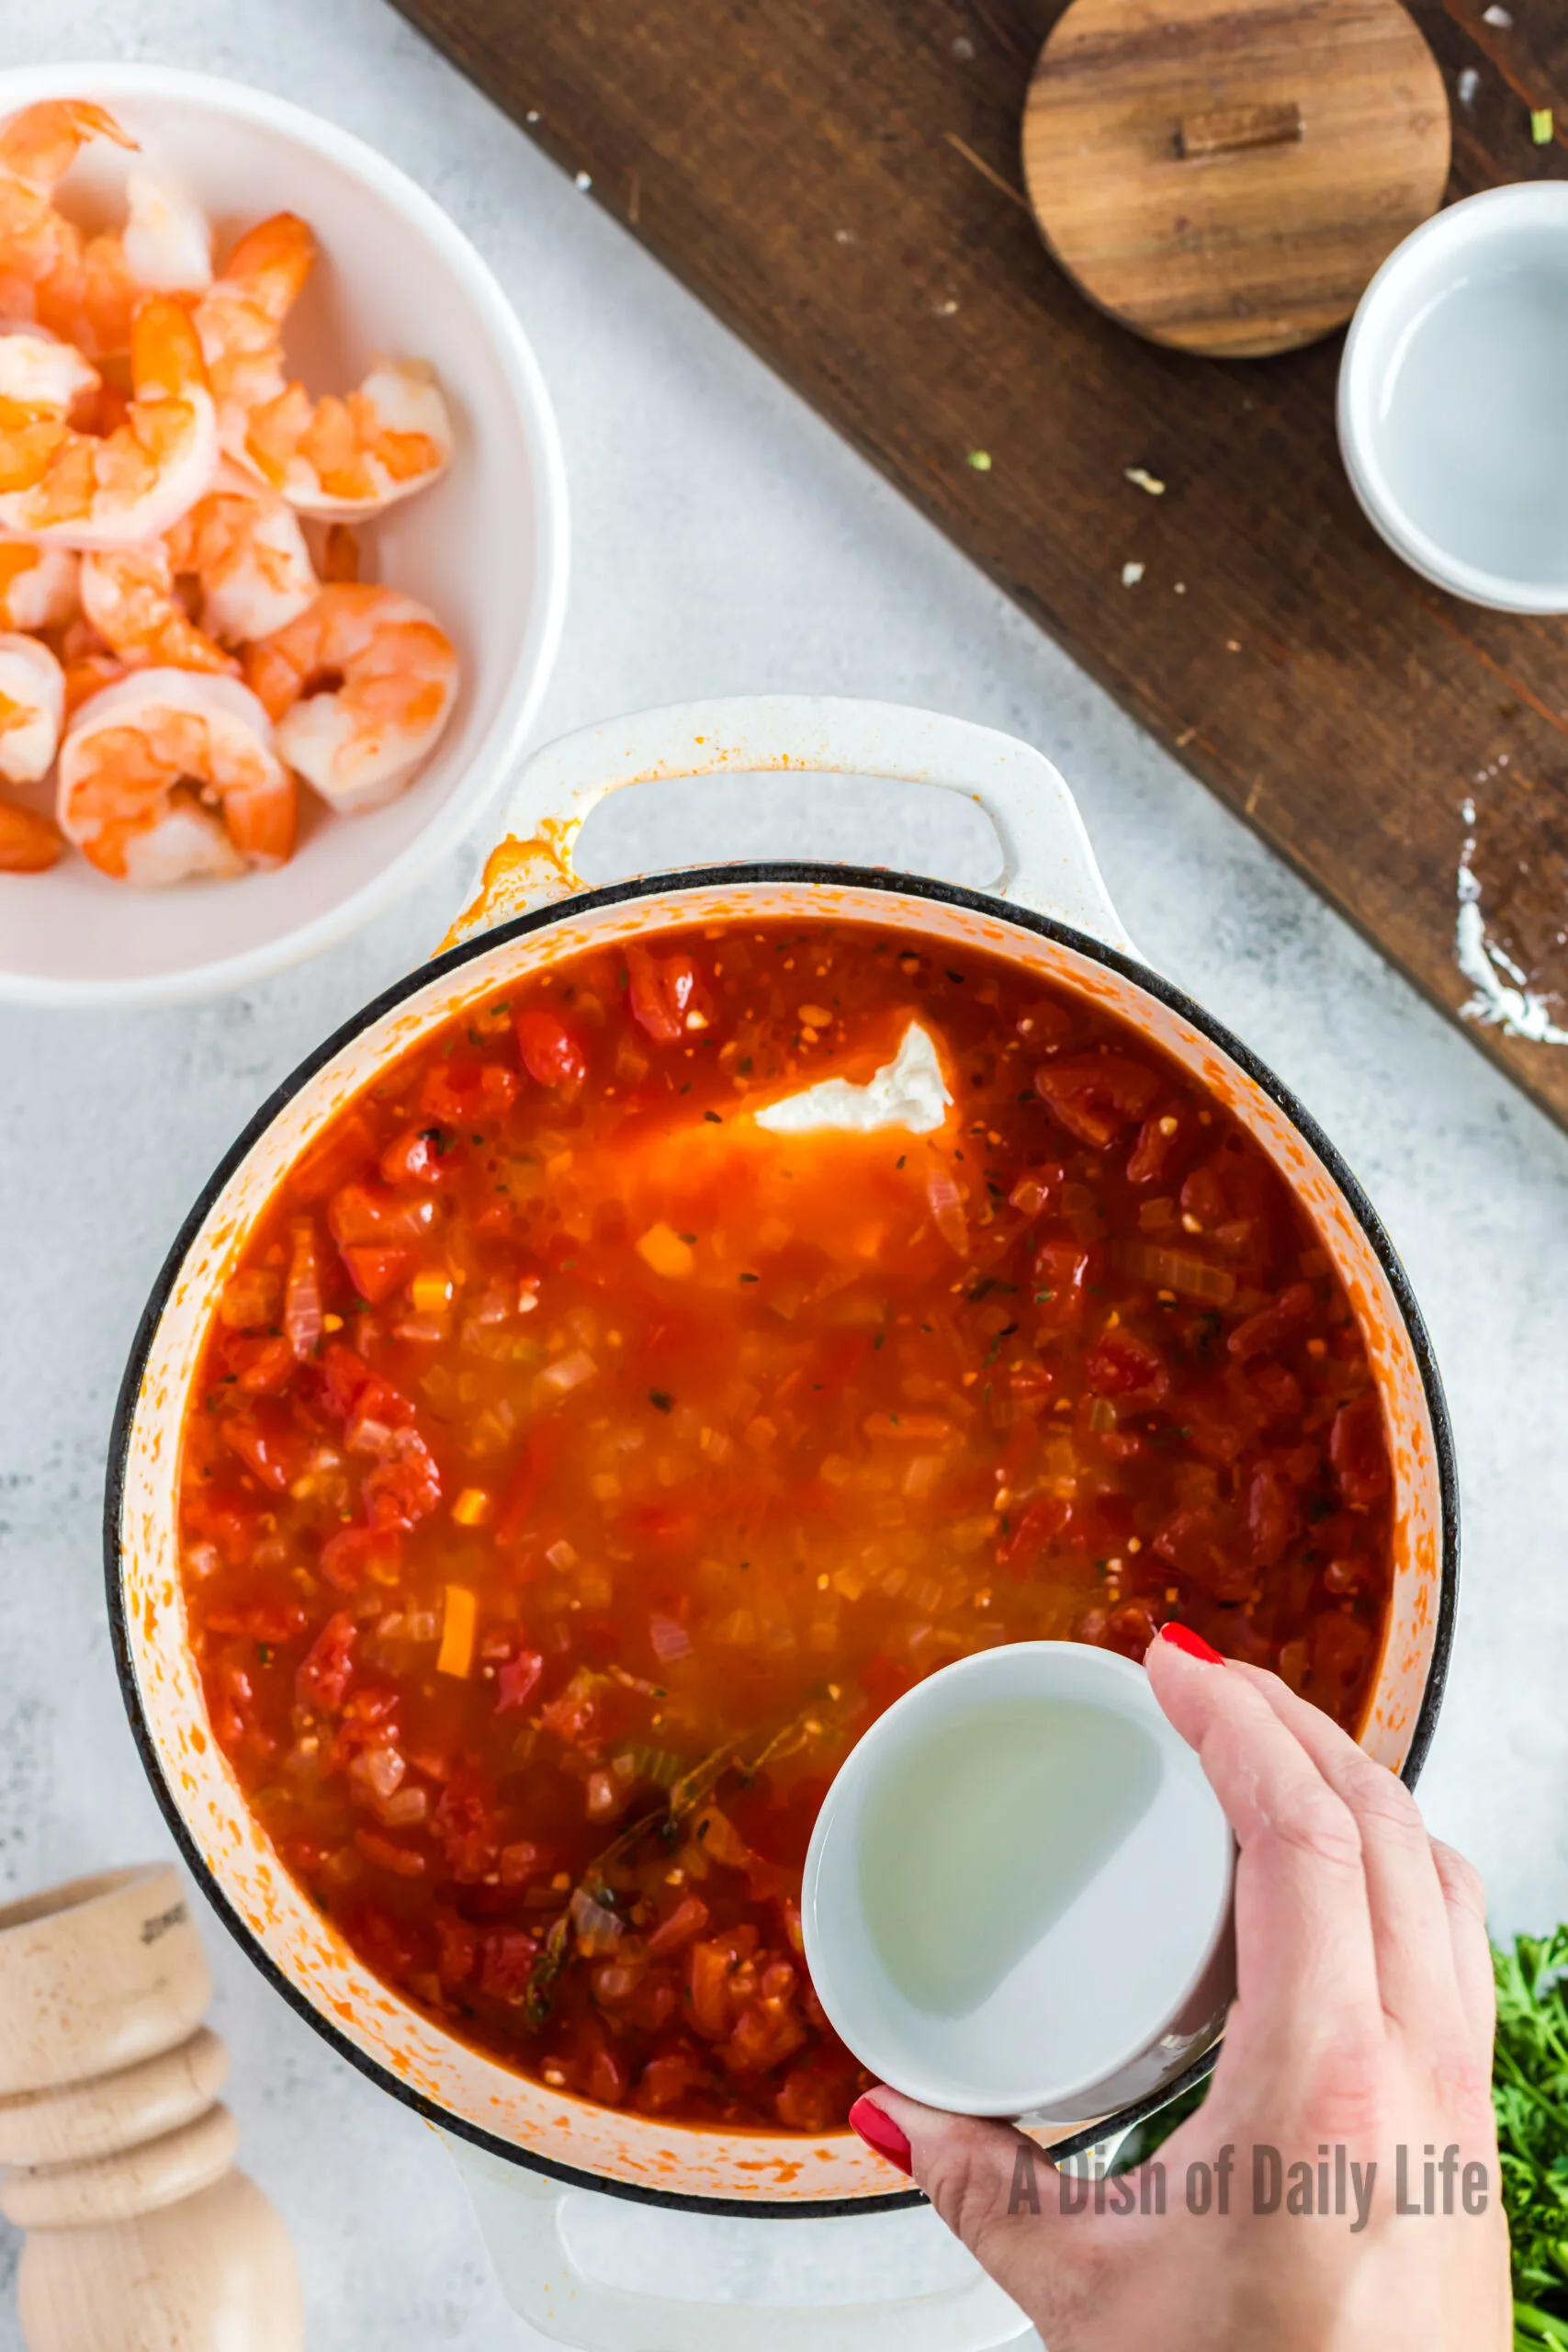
(657, 1369)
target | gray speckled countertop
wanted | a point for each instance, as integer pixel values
(723, 541)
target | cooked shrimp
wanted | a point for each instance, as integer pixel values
(77, 287)
(89, 664)
(170, 776)
(167, 240)
(80, 490)
(38, 585)
(32, 705)
(360, 688)
(331, 456)
(244, 547)
(87, 674)
(129, 595)
(29, 843)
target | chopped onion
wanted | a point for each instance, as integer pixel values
(1177, 1270)
(302, 1292)
(378, 1769)
(947, 1210)
(598, 1929)
(559, 1379)
(670, 1640)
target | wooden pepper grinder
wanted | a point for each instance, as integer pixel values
(142, 2236)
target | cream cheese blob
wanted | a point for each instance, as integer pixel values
(909, 1092)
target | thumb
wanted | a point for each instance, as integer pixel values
(994, 2189)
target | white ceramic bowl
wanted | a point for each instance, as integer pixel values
(1453, 422)
(1039, 1990)
(485, 547)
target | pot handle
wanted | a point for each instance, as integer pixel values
(1048, 864)
(520, 2214)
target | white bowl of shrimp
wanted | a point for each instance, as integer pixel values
(283, 562)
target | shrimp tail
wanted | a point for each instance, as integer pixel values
(40, 145)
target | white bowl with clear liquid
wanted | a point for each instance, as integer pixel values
(1453, 415)
(1017, 1898)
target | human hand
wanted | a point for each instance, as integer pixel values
(1363, 2022)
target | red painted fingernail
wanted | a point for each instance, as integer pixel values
(1182, 1637)
(879, 2132)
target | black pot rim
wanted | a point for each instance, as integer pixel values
(890, 884)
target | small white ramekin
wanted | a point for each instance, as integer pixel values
(1116, 1986)
(1454, 422)
(485, 547)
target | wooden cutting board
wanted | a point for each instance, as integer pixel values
(840, 181)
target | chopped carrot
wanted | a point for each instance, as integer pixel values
(662, 1249)
(456, 1656)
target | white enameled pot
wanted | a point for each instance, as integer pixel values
(523, 2149)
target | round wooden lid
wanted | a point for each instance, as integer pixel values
(1226, 178)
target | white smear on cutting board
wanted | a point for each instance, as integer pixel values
(909, 1092)
(1503, 994)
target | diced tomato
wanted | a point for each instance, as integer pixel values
(1339, 1649)
(405, 1486)
(467, 1827)
(1162, 1145)
(606, 2077)
(270, 1448)
(522, 1860)
(1122, 1366)
(416, 1155)
(1044, 1518)
(327, 1668)
(373, 1217)
(573, 1716)
(508, 1959)
(1278, 1391)
(262, 1367)
(457, 1092)
(231, 1699)
(403, 1861)
(687, 1921)
(1097, 1096)
(1273, 1325)
(456, 1948)
(257, 1621)
(664, 993)
(709, 1970)
(809, 2101)
(340, 1374)
(217, 1515)
(552, 1054)
(764, 2036)
(1061, 1278)
(1204, 1546)
(665, 2081)
(377, 1274)
(357, 1555)
(1272, 1515)
(1359, 1450)
(1129, 1629)
(1203, 1196)
(516, 1679)
(341, 1152)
